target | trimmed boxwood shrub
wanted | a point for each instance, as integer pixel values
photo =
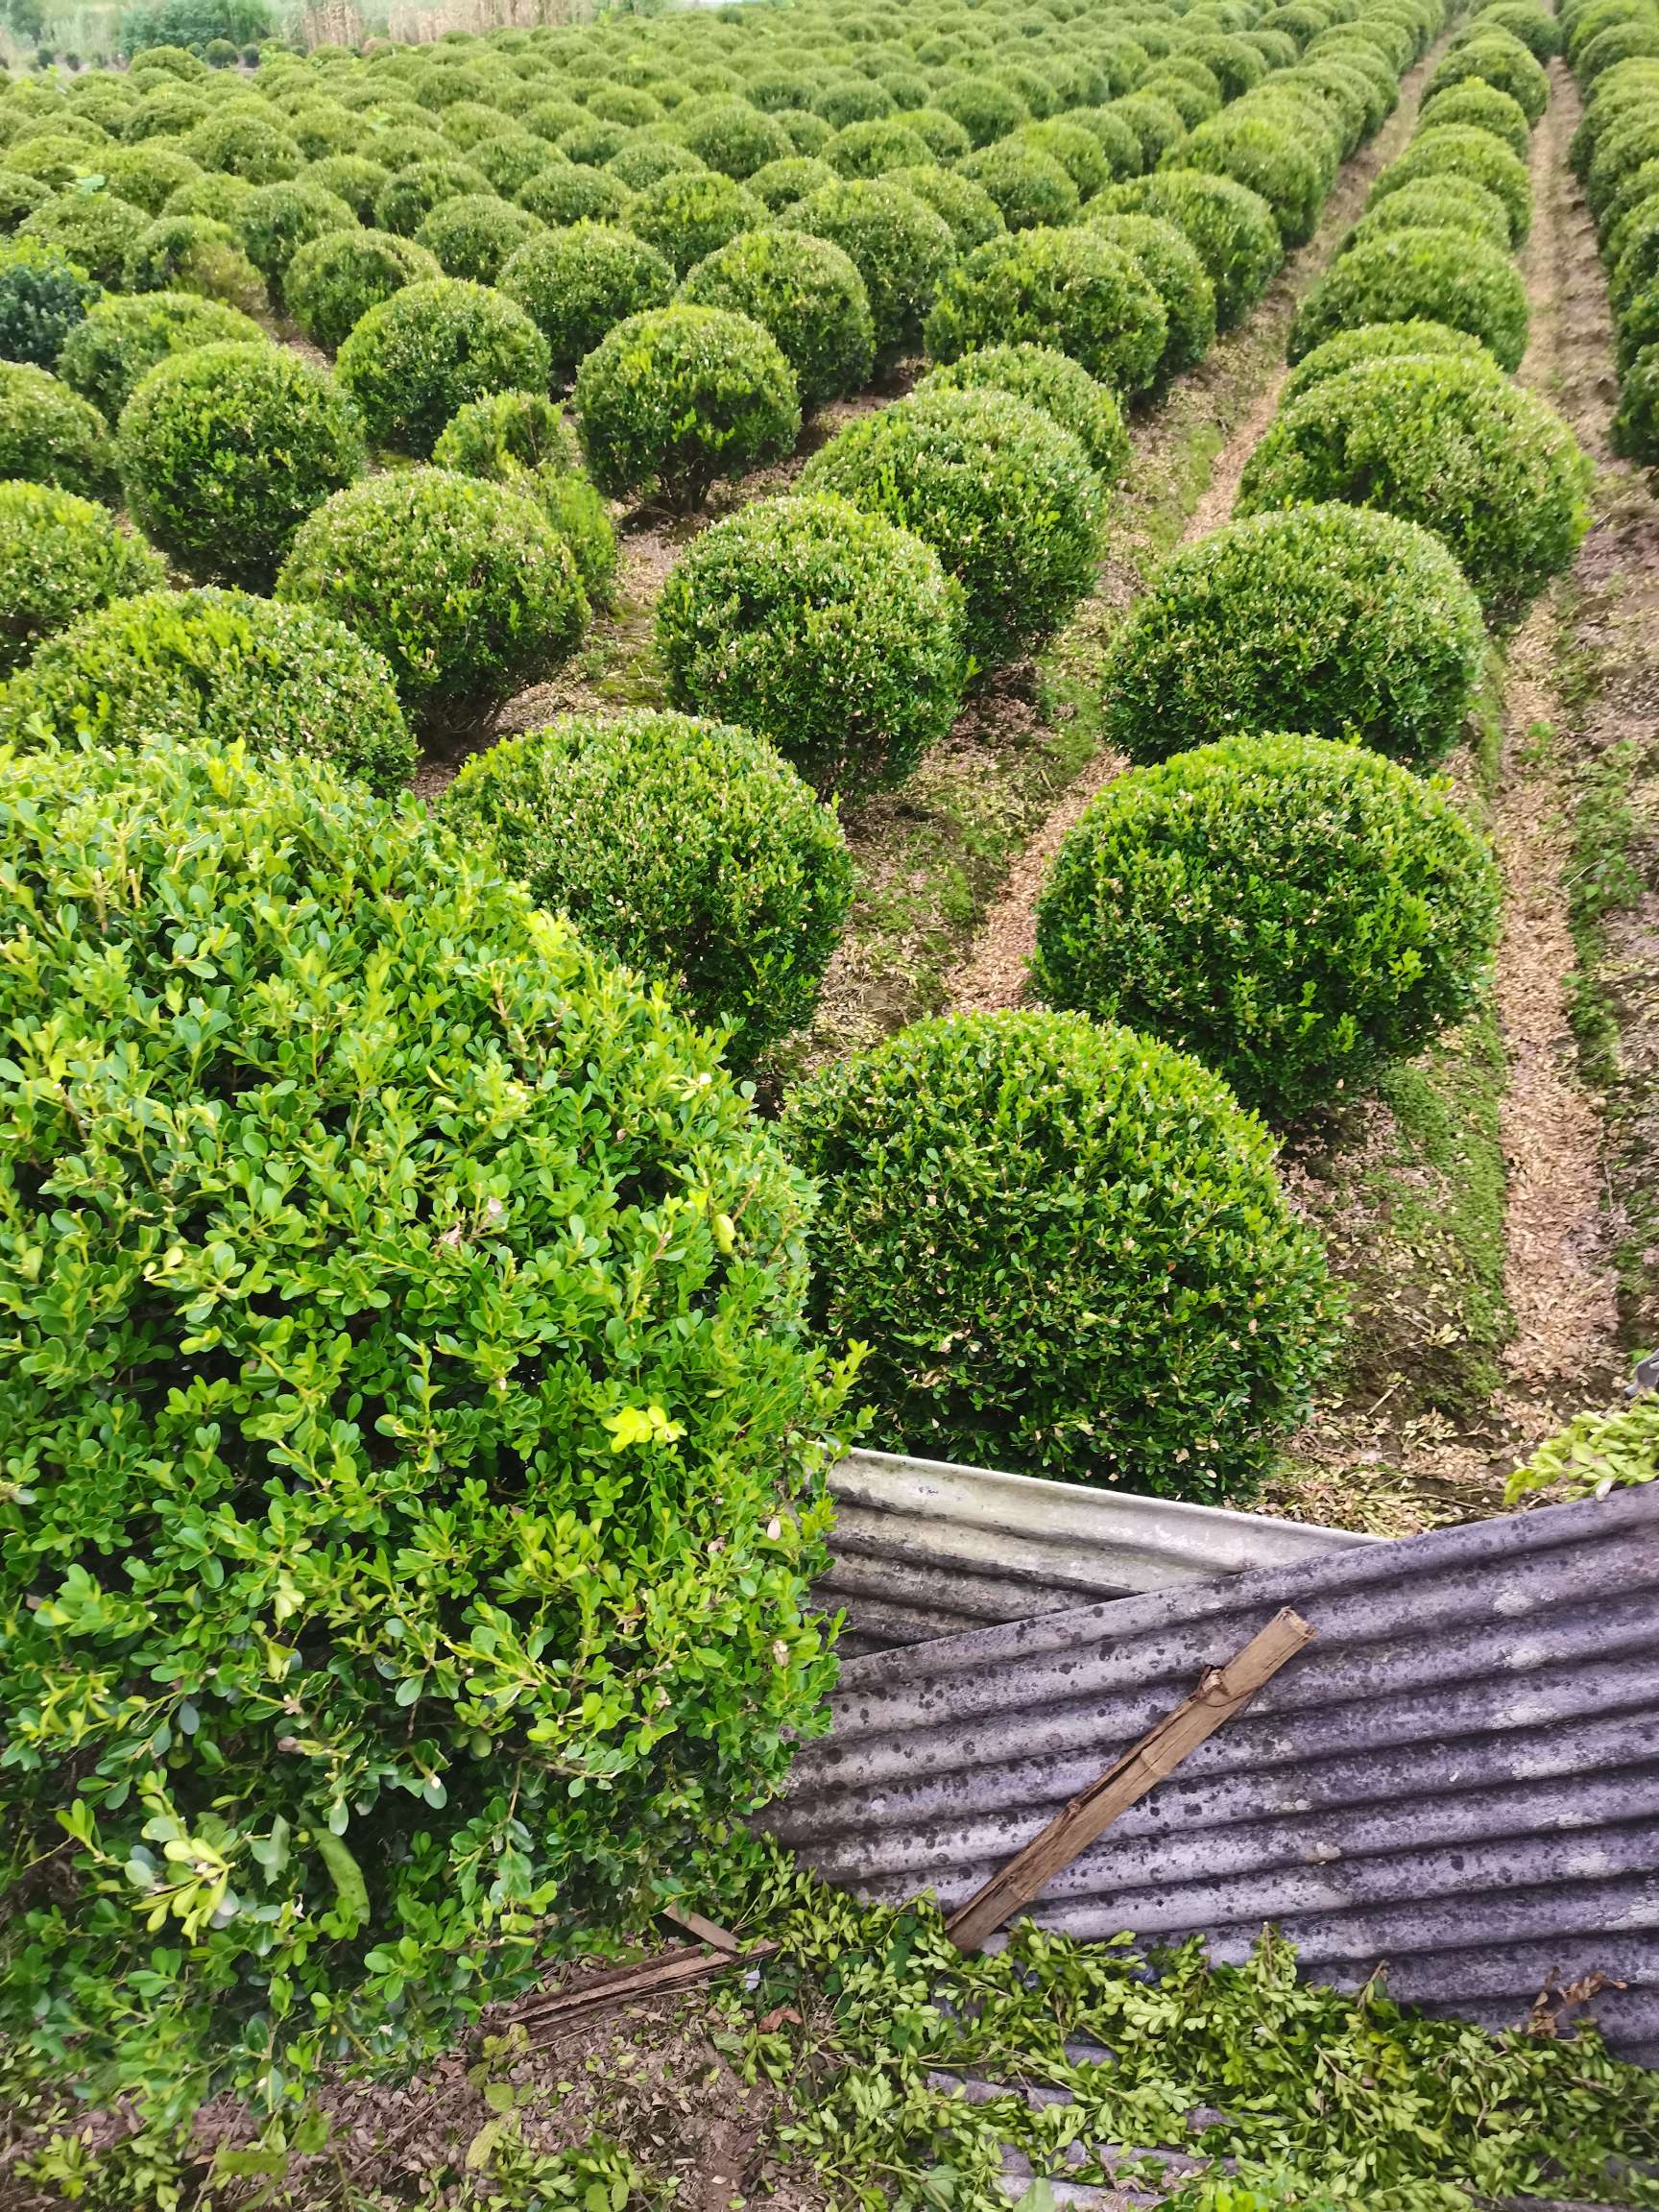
(1068, 289)
(1489, 469)
(645, 161)
(521, 440)
(1028, 186)
(900, 247)
(673, 398)
(567, 192)
(1482, 105)
(1060, 386)
(1464, 149)
(831, 632)
(1268, 153)
(731, 135)
(1635, 428)
(352, 177)
(278, 219)
(194, 253)
(1430, 276)
(511, 159)
(1638, 328)
(246, 143)
(419, 355)
(1077, 149)
(685, 218)
(220, 199)
(122, 339)
(1633, 254)
(1297, 914)
(406, 202)
(20, 196)
(1353, 625)
(475, 236)
(1435, 204)
(1171, 263)
(226, 449)
(687, 848)
(92, 231)
(1628, 142)
(61, 557)
(1494, 58)
(1067, 1251)
(1157, 128)
(1380, 342)
(42, 297)
(579, 283)
(782, 183)
(1230, 227)
(462, 585)
(966, 209)
(807, 294)
(871, 148)
(1003, 494)
(50, 436)
(333, 282)
(985, 108)
(220, 666)
(528, 1248)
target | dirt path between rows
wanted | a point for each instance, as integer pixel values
(1244, 376)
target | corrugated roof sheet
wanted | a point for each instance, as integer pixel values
(924, 1550)
(1460, 1778)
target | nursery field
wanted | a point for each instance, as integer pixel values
(924, 723)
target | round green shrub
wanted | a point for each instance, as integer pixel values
(687, 848)
(220, 666)
(1295, 914)
(588, 144)
(419, 355)
(1027, 186)
(1464, 149)
(405, 203)
(1053, 381)
(966, 209)
(1483, 107)
(807, 294)
(194, 253)
(731, 136)
(1352, 623)
(1003, 495)
(93, 230)
(1265, 153)
(565, 192)
(986, 109)
(871, 148)
(577, 284)
(1539, 32)
(445, 1141)
(645, 161)
(332, 283)
(20, 196)
(900, 247)
(511, 160)
(685, 218)
(462, 585)
(1380, 342)
(1157, 128)
(123, 338)
(1628, 142)
(1068, 289)
(278, 219)
(780, 184)
(830, 632)
(61, 557)
(1635, 428)
(42, 299)
(1230, 227)
(1435, 204)
(1077, 149)
(1638, 328)
(219, 198)
(244, 143)
(521, 440)
(49, 436)
(1488, 467)
(474, 237)
(1633, 251)
(352, 177)
(673, 398)
(1428, 275)
(226, 449)
(1067, 1251)
(1496, 59)
(1172, 266)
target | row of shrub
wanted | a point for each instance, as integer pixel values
(1612, 47)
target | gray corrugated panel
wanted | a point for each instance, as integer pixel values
(1460, 1777)
(922, 1549)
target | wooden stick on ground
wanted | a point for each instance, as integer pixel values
(680, 1968)
(1159, 1752)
